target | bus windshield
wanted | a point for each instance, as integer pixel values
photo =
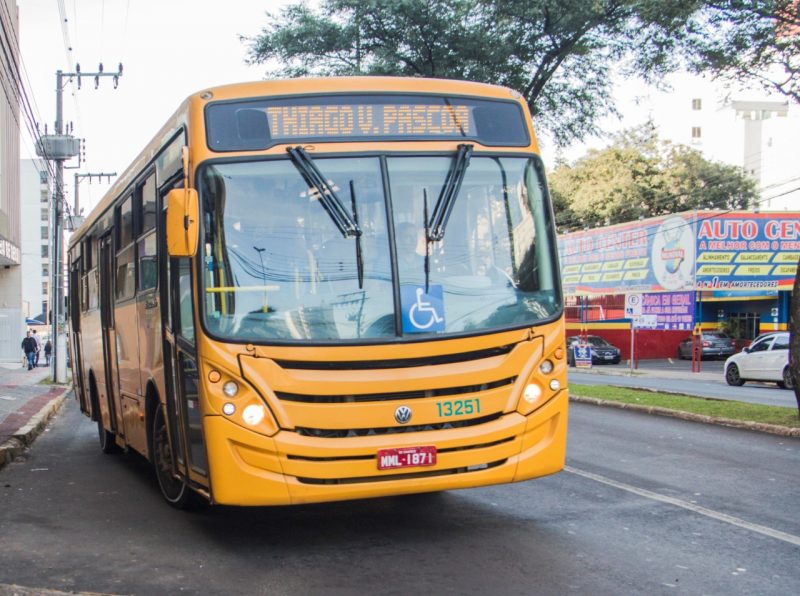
(277, 266)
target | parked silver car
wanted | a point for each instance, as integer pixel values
(714, 344)
(766, 359)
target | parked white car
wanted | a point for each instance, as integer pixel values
(766, 359)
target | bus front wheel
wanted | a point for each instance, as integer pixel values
(174, 489)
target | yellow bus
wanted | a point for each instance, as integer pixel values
(324, 289)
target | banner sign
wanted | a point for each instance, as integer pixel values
(9, 252)
(670, 311)
(656, 255)
(747, 251)
(698, 250)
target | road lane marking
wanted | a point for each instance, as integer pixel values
(723, 517)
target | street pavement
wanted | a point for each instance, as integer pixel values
(26, 404)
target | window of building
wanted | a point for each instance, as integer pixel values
(45, 214)
(45, 251)
(696, 134)
(44, 233)
(697, 104)
(45, 270)
(45, 288)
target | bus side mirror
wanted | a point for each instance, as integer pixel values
(182, 222)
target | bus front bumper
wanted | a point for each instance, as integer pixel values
(251, 469)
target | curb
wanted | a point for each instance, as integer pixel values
(773, 429)
(25, 436)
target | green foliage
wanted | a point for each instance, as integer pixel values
(560, 54)
(639, 176)
(747, 41)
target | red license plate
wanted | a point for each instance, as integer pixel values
(406, 457)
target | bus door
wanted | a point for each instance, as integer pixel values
(75, 326)
(108, 331)
(180, 366)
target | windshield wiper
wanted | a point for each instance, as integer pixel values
(359, 250)
(327, 196)
(447, 197)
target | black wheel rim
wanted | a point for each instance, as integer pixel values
(787, 379)
(733, 375)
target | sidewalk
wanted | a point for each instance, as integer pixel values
(669, 368)
(26, 404)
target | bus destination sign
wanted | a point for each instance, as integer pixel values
(259, 124)
(290, 122)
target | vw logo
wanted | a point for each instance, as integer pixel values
(402, 414)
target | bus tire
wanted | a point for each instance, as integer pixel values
(174, 490)
(108, 442)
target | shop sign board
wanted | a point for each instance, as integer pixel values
(747, 251)
(669, 310)
(655, 255)
(583, 355)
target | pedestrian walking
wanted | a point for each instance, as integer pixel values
(38, 341)
(48, 350)
(29, 347)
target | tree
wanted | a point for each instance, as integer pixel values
(639, 176)
(560, 54)
(747, 41)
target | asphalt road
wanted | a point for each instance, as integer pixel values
(705, 385)
(647, 505)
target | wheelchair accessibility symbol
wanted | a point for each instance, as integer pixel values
(422, 312)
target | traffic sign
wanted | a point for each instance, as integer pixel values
(633, 305)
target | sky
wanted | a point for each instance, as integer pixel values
(169, 50)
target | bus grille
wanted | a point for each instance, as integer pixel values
(325, 433)
(396, 363)
(408, 476)
(401, 395)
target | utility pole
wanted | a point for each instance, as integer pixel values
(78, 177)
(58, 148)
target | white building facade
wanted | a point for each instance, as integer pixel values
(12, 320)
(36, 257)
(742, 128)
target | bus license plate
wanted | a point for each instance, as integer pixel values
(406, 457)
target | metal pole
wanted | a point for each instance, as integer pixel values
(77, 210)
(55, 307)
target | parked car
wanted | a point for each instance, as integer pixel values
(766, 359)
(602, 351)
(714, 344)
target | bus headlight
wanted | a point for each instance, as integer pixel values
(546, 367)
(229, 409)
(253, 414)
(532, 393)
(555, 385)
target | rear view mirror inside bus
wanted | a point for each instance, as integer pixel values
(182, 222)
